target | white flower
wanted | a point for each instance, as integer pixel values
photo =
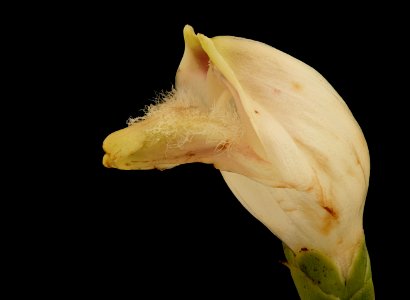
(285, 141)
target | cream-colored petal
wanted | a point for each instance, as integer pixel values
(192, 71)
(266, 135)
(306, 130)
(297, 219)
(298, 97)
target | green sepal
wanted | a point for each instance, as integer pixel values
(360, 280)
(317, 277)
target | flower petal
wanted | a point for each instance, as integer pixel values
(297, 219)
(266, 135)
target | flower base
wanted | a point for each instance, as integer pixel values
(317, 277)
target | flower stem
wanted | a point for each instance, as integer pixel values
(317, 277)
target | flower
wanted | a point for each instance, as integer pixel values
(286, 143)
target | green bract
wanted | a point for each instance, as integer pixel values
(317, 277)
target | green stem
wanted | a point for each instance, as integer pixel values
(317, 277)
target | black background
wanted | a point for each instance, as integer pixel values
(181, 233)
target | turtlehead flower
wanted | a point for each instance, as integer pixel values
(286, 143)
